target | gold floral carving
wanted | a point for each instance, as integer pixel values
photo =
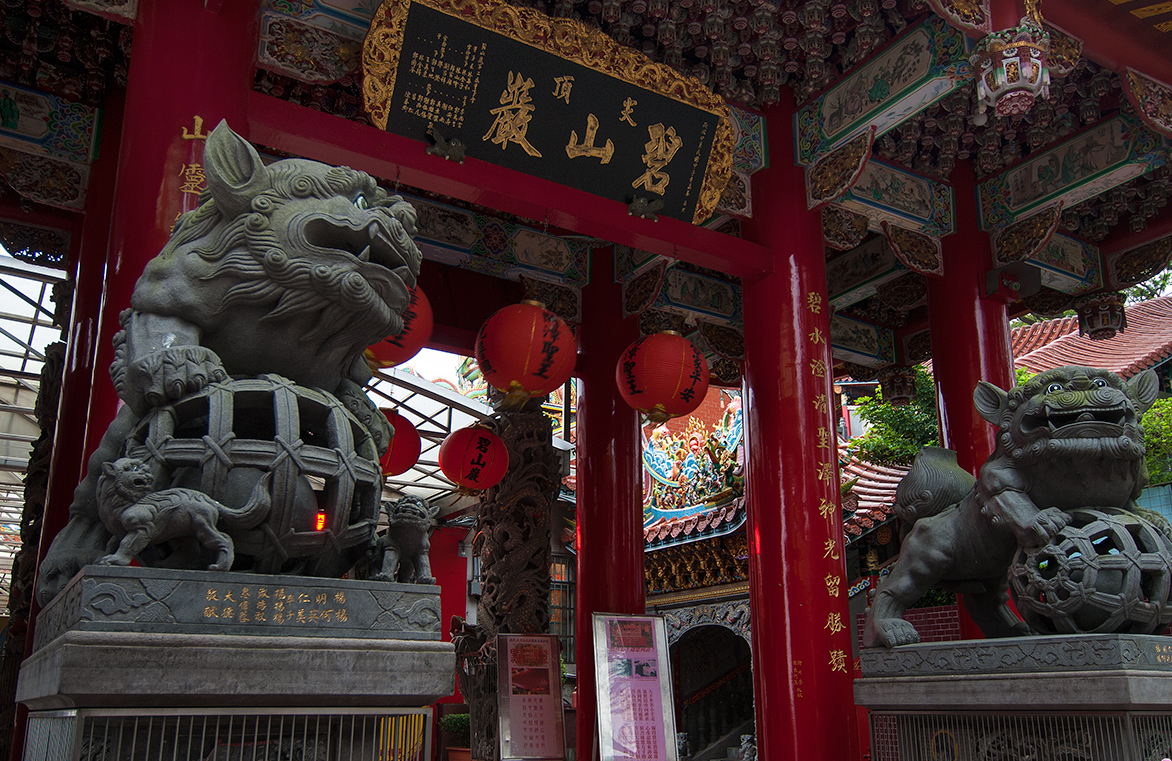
(1065, 51)
(904, 293)
(917, 251)
(842, 229)
(1049, 302)
(966, 14)
(1152, 99)
(838, 171)
(568, 39)
(1025, 238)
(643, 289)
(1137, 265)
(700, 564)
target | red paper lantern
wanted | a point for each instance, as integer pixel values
(525, 350)
(405, 445)
(662, 375)
(475, 458)
(417, 325)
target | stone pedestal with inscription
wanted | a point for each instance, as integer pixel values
(1104, 697)
(157, 637)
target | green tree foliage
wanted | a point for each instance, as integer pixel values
(1157, 425)
(1151, 288)
(895, 434)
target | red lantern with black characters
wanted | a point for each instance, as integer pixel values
(525, 350)
(662, 375)
(417, 325)
(405, 445)
(475, 458)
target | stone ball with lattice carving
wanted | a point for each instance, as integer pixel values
(325, 479)
(1109, 571)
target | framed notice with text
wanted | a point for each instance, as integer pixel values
(636, 713)
(529, 697)
(549, 97)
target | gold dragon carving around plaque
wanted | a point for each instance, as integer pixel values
(568, 39)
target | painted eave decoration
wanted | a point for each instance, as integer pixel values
(886, 193)
(461, 238)
(47, 144)
(861, 342)
(914, 71)
(1095, 160)
(967, 15)
(855, 275)
(464, 70)
(1069, 265)
(917, 251)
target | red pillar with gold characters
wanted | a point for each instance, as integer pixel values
(68, 462)
(970, 331)
(802, 666)
(192, 67)
(970, 340)
(609, 481)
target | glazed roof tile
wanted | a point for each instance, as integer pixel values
(1030, 337)
(1146, 343)
(713, 522)
(875, 492)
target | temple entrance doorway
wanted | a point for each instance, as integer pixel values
(714, 689)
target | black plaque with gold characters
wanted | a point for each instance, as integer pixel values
(548, 97)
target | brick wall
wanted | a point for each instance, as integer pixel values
(941, 624)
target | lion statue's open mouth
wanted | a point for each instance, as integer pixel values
(1083, 422)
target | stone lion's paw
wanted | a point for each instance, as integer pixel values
(894, 632)
(1044, 528)
(170, 374)
(111, 560)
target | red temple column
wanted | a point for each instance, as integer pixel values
(192, 67)
(970, 341)
(970, 332)
(802, 665)
(609, 481)
(68, 462)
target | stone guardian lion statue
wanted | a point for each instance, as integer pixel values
(289, 270)
(1068, 438)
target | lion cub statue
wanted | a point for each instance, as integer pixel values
(405, 548)
(1067, 438)
(137, 516)
(289, 269)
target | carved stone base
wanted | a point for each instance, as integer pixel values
(110, 598)
(150, 637)
(83, 669)
(1102, 697)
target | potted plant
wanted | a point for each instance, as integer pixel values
(458, 727)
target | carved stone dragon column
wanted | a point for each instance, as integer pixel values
(512, 542)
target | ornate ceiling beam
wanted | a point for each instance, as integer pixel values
(306, 132)
(914, 71)
(886, 193)
(861, 342)
(1090, 163)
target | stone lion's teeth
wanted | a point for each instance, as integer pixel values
(365, 255)
(1085, 417)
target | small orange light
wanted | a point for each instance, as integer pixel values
(320, 523)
